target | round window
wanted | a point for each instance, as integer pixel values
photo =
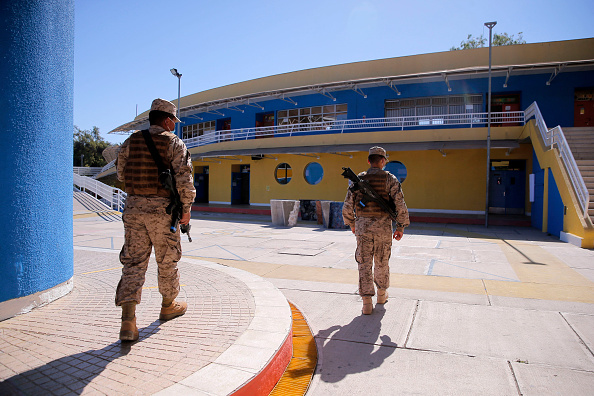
(398, 169)
(313, 173)
(283, 173)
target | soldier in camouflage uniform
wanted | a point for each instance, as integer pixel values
(146, 223)
(373, 228)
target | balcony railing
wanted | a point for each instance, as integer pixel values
(360, 125)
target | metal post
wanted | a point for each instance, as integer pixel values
(178, 75)
(177, 124)
(490, 26)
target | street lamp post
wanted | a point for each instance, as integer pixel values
(178, 75)
(490, 25)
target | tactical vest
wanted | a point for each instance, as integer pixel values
(378, 182)
(140, 174)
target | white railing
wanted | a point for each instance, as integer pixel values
(555, 137)
(108, 166)
(87, 171)
(111, 196)
(344, 126)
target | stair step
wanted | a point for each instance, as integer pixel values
(578, 134)
(578, 130)
(585, 163)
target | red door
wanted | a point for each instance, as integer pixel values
(584, 113)
(511, 118)
(503, 107)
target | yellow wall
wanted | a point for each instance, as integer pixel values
(434, 182)
(219, 181)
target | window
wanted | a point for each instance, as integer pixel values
(398, 169)
(283, 173)
(432, 110)
(307, 115)
(313, 173)
(195, 130)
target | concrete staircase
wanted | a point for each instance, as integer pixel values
(581, 143)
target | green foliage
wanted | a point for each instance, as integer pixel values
(471, 42)
(89, 144)
(481, 41)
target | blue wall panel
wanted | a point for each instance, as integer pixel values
(555, 101)
(36, 123)
(537, 205)
(555, 209)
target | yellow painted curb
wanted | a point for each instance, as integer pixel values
(299, 372)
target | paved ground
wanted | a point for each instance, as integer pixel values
(235, 323)
(472, 310)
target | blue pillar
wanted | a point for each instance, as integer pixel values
(36, 125)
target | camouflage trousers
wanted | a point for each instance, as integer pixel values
(374, 246)
(146, 224)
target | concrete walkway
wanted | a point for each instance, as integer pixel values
(472, 310)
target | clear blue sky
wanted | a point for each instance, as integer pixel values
(124, 49)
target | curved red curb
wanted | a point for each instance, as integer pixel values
(263, 383)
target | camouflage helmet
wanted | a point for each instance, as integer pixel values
(377, 150)
(166, 107)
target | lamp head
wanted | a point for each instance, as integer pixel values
(175, 73)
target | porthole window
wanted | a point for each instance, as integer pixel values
(283, 173)
(398, 169)
(313, 173)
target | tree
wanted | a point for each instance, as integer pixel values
(481, 41)
(89, 144)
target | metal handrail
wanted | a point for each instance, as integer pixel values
(87, 170)
(111, 196)
(109, 165)
(556, 138)
(342, 126)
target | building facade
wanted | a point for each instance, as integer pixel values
(288, 136)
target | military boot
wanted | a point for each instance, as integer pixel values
(173, 310)
(129, 331)
(382, 296)
(367, 306)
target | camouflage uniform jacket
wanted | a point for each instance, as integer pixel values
(177, 156)
(393, 189)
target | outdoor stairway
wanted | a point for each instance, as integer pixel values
(88, 202)
(581, 143)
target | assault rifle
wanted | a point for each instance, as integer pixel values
(369, 194)
(168, 182)
(175, 206)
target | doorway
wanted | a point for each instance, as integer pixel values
(583, 115)
(265, 120)
(507, 187)
(201, 184)
(240, 184)
(507, 103)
